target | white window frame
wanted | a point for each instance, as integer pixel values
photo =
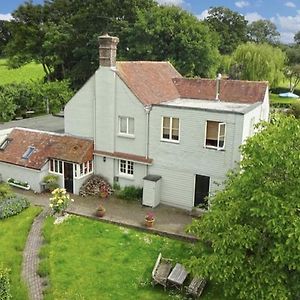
(129, 165)
(4, 144)
(170, 139)
(58, 166)
(83, 169)
(218, 137)
(127, 133)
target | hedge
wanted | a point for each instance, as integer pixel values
(4, 284)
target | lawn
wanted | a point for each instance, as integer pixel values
(87, 259)
(13, 235)
(28, 72)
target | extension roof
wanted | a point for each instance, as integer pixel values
(157, 82)
(46, 145)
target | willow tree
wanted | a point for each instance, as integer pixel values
(249, 240)
(252, 61)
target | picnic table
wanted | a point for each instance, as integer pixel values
(177, 276)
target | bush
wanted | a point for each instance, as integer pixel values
(296, 110)
(51, 182)
(5, 191)
(12, 206)
(130, 193)
(4, 284)
(60, 201)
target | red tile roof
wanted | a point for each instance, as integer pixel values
(150, 81)
(126, 156)
(156, 82)
(46, 146)
(230, 90)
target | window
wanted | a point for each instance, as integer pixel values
(56, 166)
(4, 144)
(28, 152)
(126, 167)
(215, 135)
(126, 126)
(83, 169)
(170, 129)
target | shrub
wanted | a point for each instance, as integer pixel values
(51, 182)
(4, 284)
(130, 193)
(5, 191)
(60, 201)
(296, 110)
(12, 206)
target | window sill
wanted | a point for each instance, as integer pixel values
(214, 148)
(128, 136)
(170, 141)
(55, 173)
(126, 176)
(83, 175)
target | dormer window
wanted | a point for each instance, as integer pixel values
(4, 144)
(28, 152)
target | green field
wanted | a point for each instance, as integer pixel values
(87, 259)
(13, 236)
(28, 72)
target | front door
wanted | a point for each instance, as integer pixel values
(68, 174)
(201, 190)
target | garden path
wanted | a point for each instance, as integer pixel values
(31, 259)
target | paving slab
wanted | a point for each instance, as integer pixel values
(168, 220)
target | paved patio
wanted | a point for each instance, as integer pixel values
(169, 221)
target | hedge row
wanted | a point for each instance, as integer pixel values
(11, 207)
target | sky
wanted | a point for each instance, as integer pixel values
(285, 14)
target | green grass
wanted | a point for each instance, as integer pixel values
(87, 259)
(13, 235)
(28, 72)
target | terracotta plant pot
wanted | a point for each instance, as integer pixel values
(100, 212)
(149, 223)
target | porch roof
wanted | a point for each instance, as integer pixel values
(44, 145)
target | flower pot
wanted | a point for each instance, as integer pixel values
(100, 212)
(27, 187)
(149, 223)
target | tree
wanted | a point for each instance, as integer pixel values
(4, 35)
(63, 35)
(297, 38)
(231, 27)
(252, 61)
(293, 54)
(263, 31)
(249, 240)
(293, 75)
(170, 33)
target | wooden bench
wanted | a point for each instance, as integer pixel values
(196, 287)
(161, 271)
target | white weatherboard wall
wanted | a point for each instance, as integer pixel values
(33, 177)
(178, 163)
(79, 111)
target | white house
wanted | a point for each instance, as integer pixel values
(175, 137)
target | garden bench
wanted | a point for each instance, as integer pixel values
(161, 271)
(196, 287)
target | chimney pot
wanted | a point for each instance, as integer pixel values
(107, 50)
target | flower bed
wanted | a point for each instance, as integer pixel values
(12, 206)
(18, 183)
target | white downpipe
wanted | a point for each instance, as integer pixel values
(147, 109)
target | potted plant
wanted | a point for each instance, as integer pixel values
(149, 219)
(100, 211)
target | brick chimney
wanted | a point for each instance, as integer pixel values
(107, 50)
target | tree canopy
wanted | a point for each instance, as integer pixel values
(170, 33)
(249, 240)
(252, 61)
(263, 31)
(297, 37)
(231, 27)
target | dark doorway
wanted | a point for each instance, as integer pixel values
(201, 190)
(68, 174)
